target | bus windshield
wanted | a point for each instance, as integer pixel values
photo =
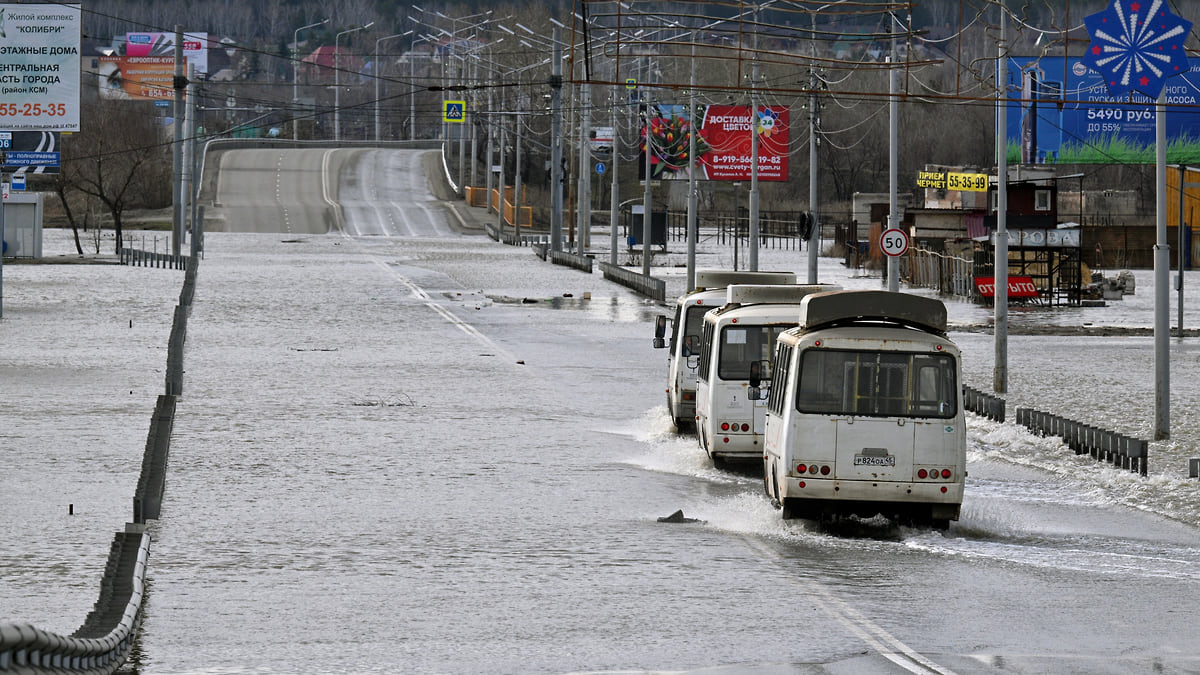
(742, 345)
(877, 383)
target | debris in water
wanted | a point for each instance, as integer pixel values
(678, 517)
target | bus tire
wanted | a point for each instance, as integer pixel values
(788, 510)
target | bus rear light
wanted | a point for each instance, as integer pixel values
(922, 474)
(724, 426)
(802, 484)
(825, 470)
(943, 489)
(946, 473)
(812, 468)
(801, 468)
(688, 396)
(745, 427)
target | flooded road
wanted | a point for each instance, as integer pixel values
(417, 454)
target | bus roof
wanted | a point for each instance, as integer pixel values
(747, 294)
(708, 279)
(823, 309)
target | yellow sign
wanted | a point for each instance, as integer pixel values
(454, 111)
(931, 179)
(631, 83)
(969, 182)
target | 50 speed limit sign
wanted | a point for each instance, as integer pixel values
(894, 242)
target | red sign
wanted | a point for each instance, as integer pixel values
(1018, 287)
(724, 144)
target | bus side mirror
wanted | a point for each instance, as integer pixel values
(691, 345)
(660, 331)
(756, 374)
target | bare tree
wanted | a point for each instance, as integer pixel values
(119, 158)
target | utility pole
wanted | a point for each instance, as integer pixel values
(691, 213)
(556, 144)
(753, 234)
(1000, 265)
(814, 240)
(614, 197)
(1162, 269)
(583, 199)
(893, 263)
(177, 157)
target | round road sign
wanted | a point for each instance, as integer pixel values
(894, 242)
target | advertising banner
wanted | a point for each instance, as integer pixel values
(1066, 116)
(39, 67)
(195, 47)
(723, 144)
(140, 78)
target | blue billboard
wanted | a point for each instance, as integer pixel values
(1066, 116)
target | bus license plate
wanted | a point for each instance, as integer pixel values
(870, 460)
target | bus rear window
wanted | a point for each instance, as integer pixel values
(877, 384)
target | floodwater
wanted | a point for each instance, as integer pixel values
(440, 454)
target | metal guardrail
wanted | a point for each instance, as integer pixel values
(102, 644)
(579, 262)
(980, 403)
(655, 289)
(1117, 449)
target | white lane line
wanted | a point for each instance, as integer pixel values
(429, 302)
(889, 646)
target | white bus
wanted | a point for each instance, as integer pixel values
(864, 413)
(684, 344)
(737, 340)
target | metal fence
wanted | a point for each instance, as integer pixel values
(949, 275)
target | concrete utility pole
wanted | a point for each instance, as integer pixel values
(752, 245)
(1162, 268)
(556, 144)
(814, 239)
(691, 213)
(647, 202)
(1000, 272)
(584, 198)
(177, 154)
(614, 192)
(893, 263)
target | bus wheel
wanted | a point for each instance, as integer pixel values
(789, 511)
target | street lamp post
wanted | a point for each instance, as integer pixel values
(295, 78)
(379, 76)
(337, 79)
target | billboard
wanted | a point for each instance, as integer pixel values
(139, 78)
(723, 144)
(195, 47)
(1066, 116)
(39, 67)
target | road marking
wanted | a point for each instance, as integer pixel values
(889, 646)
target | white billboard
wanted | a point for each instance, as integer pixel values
(195, 47)
(39, 67)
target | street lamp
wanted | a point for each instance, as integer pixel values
(295, 78)
(379, 76)
(337, 80)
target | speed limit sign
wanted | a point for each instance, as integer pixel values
(894, 242)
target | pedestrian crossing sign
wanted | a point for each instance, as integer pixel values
(454, 111)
